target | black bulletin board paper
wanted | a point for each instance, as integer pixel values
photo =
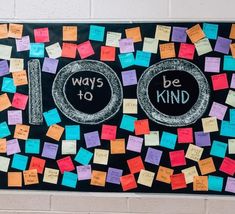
(198, 85)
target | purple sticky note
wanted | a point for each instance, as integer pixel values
(14, 117)
(114, 175)
(232, 84)
(134, 143)
(212, 64)
(179, 34)
(230, 185)
(13, 147)
(126, 45)
(23, 44)
(50, 65)
(218, 110)
(153, 156)
(84, 172)
(4, 68)
(129, 78)
(222, 45)
(202, 139)
(49, 150)
(92, 139)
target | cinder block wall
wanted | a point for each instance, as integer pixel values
(25, 202)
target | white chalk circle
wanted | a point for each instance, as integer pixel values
(195, 112)
(61, 101)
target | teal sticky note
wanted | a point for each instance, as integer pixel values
(142, 58)
(69, 179)
(218, 149)
(128, 123)
(83, 156)
(210, 30)
(36, 50)
(232, 116)
(96, 33)
(227, 129)
(52, 117)
(19, 162)
(32, 146)
(72, 132)
(126, 59)
(8, 85)
(229, 63)
(4, 130)
(215, 183)
(168, 140)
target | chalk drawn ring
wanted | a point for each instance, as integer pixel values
(194, 113)
(61, 101)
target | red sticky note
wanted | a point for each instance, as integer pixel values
(128, 182)
(108, 132)
(38, 164)
(186, 51)
(41, 35)
(142, 127)
(219, 81)
(69, 50)
(177, 158)
(135, 164)
(185, 135)
(85, 49)
(107, 53)
(65, 164)
(178, 181)
(19, 101)
(228, 166)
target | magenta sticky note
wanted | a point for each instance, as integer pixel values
(14, 117)
(212, 64)
(218, 110)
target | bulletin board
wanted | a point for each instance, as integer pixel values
(129, 107)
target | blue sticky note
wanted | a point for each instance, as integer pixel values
(19, 162)
(168, 140)
(72, 132)
(218, 149)
(69, 179)
(96, 33)
(4, 130)
(83, 156)
(8, 85)
(215, 183)
(36, 50)
(52, 117)
(229, 63)
(210, 30)
(128, 123)
(227, 129)
(232, 116)
(142, 58)
(32, 146)
(126, 59)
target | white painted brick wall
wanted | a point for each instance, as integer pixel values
(32, 202)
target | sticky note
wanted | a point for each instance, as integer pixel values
(200, 183)
(210, 30)
(49, 150)
(55, 132)
(229, 63)
(232, 48)
(128, 123)
(227, 129)
(3, 145)
(178, 181)
(113, 175)
(126, 59)
(177, 158)
(167, 50)
(15, 30)
(20, 78)
(112, 39)
(4, 68)
(206, 166)
(212, 64)
(168, 140)
(134, 143)
(230, 99)
(219, 81)
(203, 46)
(21, 131)
(163, 32)
(85, 49)
(4, 130)
(41, 35)
(69, 179)
(189, 174)
(51, 175)
(72, 132)
(151, 139)
(218, 110)
(107, 53)
(83, 156)
(92, 139)
(232, 32)
(194, 152)
(185, 135)
(195, 33)
(153, 156)
(69, 50)
(179, 34)
(222, 45)
(5, 52)
(84, 172)
(108, 132)
(215, 183)
(23, 44)
(186, 51)
(231, 146)
(3, 31)
(65, 164)
(4, 102)
(14, 179)
(8, 85)
(128, 182)
(13, 147)
(32, 146)
(19, 162)
(30, 177)
(228, 166)
(70, 33)
(210, 124)
(146, 178)
(142, 127)
(164, 174)
(101, 156)
(98, 178)
(232, 84)
(129, 78)
(16, 64)
(38, 164)
(117, 146)
(50, 65)
(142, 58)
(150, 45)
(69, 147)
(36, 50)
(4, 163)
(135, 164)
(230, 185)
(54, 51)
(130, 106)
(134, 34)
(126, 45)
(96, 33)
(52, 117)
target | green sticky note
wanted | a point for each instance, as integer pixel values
(215, 183)
(83, 156)
(8, 85)
(32, 146)
(218, 149)
(69, 179)
(72, 132)
(128, 123)
(19, 162)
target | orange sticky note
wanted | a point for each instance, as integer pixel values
(200, 183)
(107, 53)
(128, 182)
(3, 145)
(55, 132)
(167, 50)
(14, 179)
(70, 33)
(3, 31)
(232, 48)
(178, 181)
(142, 127)
(38, 164)
(108, 132)
(118, 146)
(164, 174)
(69, 50)
(135, 164)
(4, 102)
(41, 35)
(98, 178)
(232, 32)
(206, 166)
(15, 31)
(195, 33)
(20, 78)
(134, 33)
(21, 131)
(65, 164)
(30, 177)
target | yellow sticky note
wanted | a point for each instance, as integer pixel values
(30, 177)
(101, 156)
(51, 175)
(14, 179)
(112, 39)
(231, 146)
(130, 106)
(200, 183)
(70, 33)
(230, 100)
(55, 132)
(151, 139)
(3, 145)
(203, 46)
(150, 45)
(195, 33)
(21, 131)
(20, 78)
(232, 32)
(69, 147)
(194, 152)
(3, 31)
(4, 163)
(5, 52)
(210, 124)
(167, 50)
(54, 51)
(164, 174)
(16, 64)
(145, 178)
(118, 146)
(15, 31)
(134, 33)
(4, 102)
(98, 178)
(163, 32)
(206, 166)
(189, 174)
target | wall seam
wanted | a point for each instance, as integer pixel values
(169, 8)
(14, 9)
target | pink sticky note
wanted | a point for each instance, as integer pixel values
(14, 117)
(218, 110)
(85, 49)
(19, 101)
(41, 35)
(186, 51)
(212, 64)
